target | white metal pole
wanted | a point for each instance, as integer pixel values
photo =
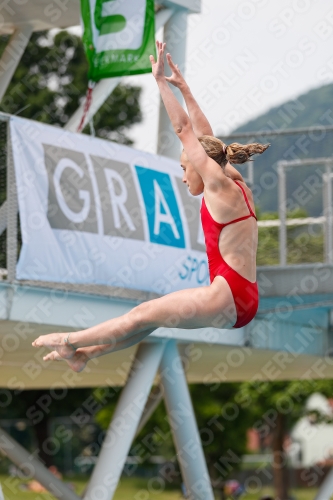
(325, 213)
(250, 173)
(326, 489)
(100, 94)
(12, 209)
(183, 425)
(155, 397)
(329, 218)
(282, 215)
(125, 421)
(12, 55)
(175, 31)
(34, 468)
(327, 210)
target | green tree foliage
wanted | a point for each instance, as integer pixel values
(51, 81)
(38, 407)
(302, 247)
(305, 244)
(222, 426)
(273, 407)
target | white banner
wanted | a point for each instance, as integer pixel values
(93, 211)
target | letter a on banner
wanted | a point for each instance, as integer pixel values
(119, 36)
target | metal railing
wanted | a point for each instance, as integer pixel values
(305, 147)
(326, 219)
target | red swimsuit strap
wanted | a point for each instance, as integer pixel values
(222, 225)
(247, 201)
(239, 219)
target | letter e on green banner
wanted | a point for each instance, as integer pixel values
(119, 36)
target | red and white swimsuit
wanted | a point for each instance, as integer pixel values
(245, 293)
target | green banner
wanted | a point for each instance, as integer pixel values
(119, 36)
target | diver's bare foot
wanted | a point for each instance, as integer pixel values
(53, 356)
(56, 342)
(77, 363)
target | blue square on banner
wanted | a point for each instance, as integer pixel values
(164, 222)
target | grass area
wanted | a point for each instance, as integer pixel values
(296, 494)
(132, 489)
(128, 489)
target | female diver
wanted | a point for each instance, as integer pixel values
(231, 235)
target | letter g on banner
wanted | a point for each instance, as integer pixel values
(71, 202)
(83, 195)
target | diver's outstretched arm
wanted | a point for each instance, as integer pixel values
(200, 124)
(178, 117)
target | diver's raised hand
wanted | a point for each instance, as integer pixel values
(158, 66)
(176, 77)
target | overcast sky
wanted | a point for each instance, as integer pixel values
(245, 57)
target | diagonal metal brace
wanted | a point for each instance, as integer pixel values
(31, 465)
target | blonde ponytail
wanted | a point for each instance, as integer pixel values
(235, 153)
(241, 153)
